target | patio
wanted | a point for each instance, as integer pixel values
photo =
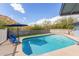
(6, 49)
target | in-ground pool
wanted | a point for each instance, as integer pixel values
(43, 44)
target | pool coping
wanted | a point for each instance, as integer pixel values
(48, 53)
(19, 47)
(21, 38)
(59, 51)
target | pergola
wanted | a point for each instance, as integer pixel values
(69, 9)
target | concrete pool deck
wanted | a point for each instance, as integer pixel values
(6, 49)
(67, 51)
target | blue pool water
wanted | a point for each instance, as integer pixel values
(43, 44)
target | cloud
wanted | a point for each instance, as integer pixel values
(37, 22)
(40, 21)
(55, 18)
(18, 7)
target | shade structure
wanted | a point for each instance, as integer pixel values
(69, 9)
(16, 25)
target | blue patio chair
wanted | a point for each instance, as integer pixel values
(13, 39)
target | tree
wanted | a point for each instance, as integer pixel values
(47, 24)
(64, 23)
(37, 27)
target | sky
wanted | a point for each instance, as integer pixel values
(27, 13)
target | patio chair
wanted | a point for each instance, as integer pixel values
(13, 39)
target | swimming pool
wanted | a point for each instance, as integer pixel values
(43, 44)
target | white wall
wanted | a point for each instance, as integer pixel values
(60, 31)
(3, 35)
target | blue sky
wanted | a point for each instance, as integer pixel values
(27, 13)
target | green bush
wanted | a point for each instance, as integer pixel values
(64, 23)
(37, 27)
